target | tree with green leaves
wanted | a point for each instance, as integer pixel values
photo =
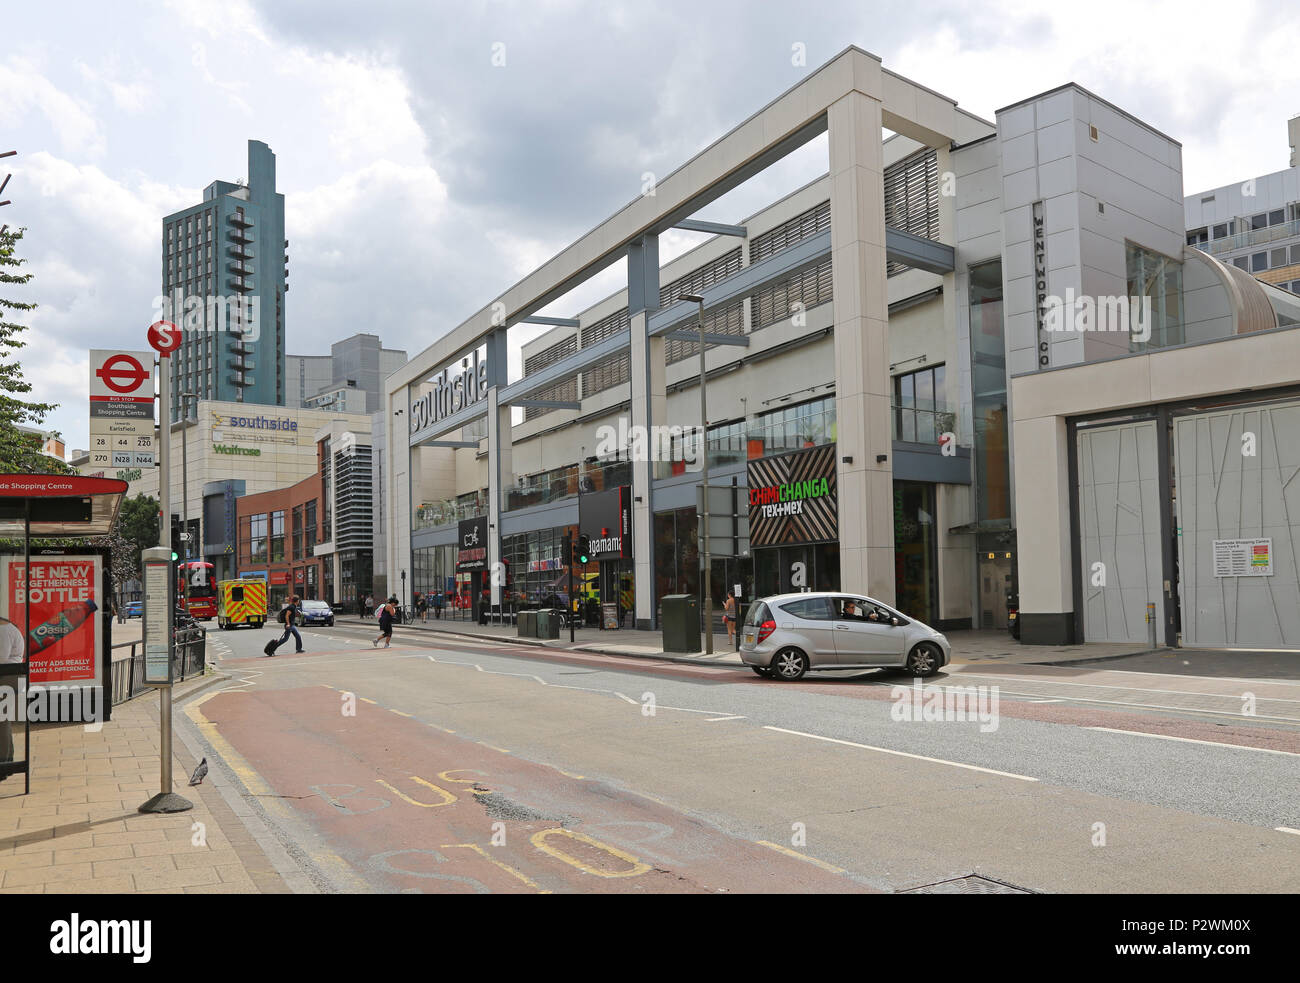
(20, 452)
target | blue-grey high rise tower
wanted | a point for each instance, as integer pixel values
(225, 274)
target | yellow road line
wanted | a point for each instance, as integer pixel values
(493, 747)
(400, 713)
(509, 870)
(801, 856)
(336, 867)
(539, 838)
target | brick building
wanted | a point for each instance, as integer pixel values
(278, 534)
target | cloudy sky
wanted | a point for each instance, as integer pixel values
(423, 176)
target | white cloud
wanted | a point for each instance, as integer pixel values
(27, 90)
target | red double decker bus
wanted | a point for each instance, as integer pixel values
(195, 577)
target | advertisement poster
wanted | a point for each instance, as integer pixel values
(66, 636)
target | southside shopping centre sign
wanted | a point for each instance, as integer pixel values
(451, 395)
(793, 498)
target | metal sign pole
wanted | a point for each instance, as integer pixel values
(159, 591)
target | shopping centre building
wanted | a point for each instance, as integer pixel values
(974, 357)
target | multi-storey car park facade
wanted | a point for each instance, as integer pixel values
(892, 408)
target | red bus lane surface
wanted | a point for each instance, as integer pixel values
(411, 807)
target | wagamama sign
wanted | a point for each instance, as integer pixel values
(451, 394)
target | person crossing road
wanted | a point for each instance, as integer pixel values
(287, 616)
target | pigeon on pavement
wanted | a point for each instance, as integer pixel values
(199, 772)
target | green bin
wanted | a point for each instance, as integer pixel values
(548, 624)
(527, 624)
(680, 622)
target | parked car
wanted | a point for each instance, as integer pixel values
(317, 613)
(787, 635)
(135, 609)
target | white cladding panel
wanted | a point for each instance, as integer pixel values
(1225, 492)
(1119, 531)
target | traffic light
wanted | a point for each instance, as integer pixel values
(566, 547)
(584, 550)
(175, 540)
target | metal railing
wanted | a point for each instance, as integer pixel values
(567, 483)
(431, 515)
(189, 658)
(1254, 237)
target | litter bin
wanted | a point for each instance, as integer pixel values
(526, 624)
(681, 623)
(548, 624)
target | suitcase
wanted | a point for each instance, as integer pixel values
(270, 647)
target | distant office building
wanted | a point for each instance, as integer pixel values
(1254, 225)
(348, 380)
(224, 277)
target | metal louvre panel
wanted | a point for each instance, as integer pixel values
(706, 276)
(810, 286)
(722, 320)
(613, 371)
(912, 198)
(816, 219)
(549, 356)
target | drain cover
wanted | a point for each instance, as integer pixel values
(971, 884)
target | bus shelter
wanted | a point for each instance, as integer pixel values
(57, 599)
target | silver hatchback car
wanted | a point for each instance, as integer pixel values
(787, 635)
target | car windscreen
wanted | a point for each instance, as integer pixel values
(757, 613)
(318, 606)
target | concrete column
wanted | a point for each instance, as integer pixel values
(649, 403)
(862, 385)
(500, 466)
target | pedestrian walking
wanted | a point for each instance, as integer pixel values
(386, 615)
(117, 611)
(422, 608)
(437, 604)
(287, 616)
(11, 651)
(729, 615)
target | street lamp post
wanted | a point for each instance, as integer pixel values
(704, 483)
(185, 494)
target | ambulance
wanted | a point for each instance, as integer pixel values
(241, 602)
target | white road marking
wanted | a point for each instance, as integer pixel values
(626, 699)
(734, 716)
(1136, 689)
(1192, 740)
(901, 754)
(1287, 829)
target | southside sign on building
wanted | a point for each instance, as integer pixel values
(451, 395)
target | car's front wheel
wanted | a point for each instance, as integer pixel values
(789, 664)
(330, 623)
(923, 660)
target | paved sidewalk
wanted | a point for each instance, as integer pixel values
(79, 831)
(968, 647)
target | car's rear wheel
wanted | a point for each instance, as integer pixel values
(789, 664)
(924, 660)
